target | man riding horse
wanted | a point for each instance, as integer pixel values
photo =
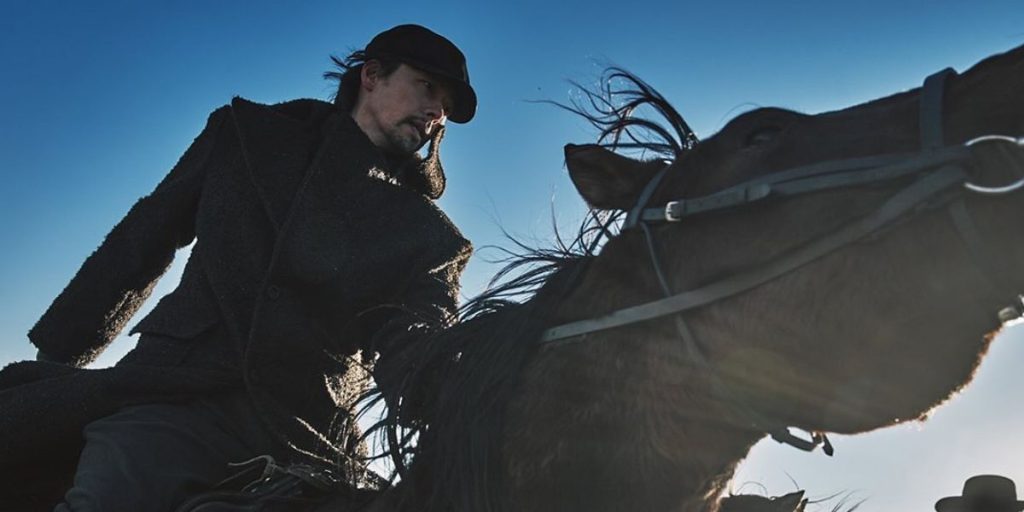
(317, 244)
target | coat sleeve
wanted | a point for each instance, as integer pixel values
(117, 278)
(404, 367)
(429, 304)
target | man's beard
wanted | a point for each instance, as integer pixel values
(401, 142)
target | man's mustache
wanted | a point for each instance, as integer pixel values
(424, 126)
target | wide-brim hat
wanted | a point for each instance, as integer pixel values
(428, 51)
(989, 493)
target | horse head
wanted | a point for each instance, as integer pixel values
(865, 280)
(885, 327)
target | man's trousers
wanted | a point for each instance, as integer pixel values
(153, 457)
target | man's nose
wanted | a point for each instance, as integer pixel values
(435, 110)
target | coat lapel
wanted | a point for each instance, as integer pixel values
(278, 143)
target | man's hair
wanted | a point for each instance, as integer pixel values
(347, 72)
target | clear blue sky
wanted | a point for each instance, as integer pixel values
(100, 98)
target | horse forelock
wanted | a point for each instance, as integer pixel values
(631, 116)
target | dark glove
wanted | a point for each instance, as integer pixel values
(45, 358)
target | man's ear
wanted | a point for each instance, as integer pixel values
(369, 75)
(793, 501)
(607, 180)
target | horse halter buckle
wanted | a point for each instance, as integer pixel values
(670, 215)
(1005, 189)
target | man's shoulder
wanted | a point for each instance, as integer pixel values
(301, 110)
(280, 128)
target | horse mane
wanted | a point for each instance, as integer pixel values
(475, 364)
(471, 369)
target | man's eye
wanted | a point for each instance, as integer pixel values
(427, 84)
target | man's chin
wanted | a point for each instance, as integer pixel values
(404, 145)
(416, 135)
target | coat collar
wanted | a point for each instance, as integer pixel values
(276, 147)
(288, 134)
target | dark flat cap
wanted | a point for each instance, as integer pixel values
(428, 51)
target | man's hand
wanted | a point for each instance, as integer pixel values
(45, 358)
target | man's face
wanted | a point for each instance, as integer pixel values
(399, 112)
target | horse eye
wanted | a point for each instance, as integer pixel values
(762, 136)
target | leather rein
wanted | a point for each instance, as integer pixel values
(938, 170)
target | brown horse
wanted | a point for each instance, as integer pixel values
(655, 412)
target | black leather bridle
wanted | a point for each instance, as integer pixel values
(937, 170)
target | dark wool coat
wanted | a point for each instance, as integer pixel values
(309, 247)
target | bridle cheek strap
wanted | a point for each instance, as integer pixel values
(901, 203)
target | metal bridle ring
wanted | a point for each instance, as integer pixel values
(995, 190)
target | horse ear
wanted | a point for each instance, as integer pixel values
(793, 501)
(607, 180)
